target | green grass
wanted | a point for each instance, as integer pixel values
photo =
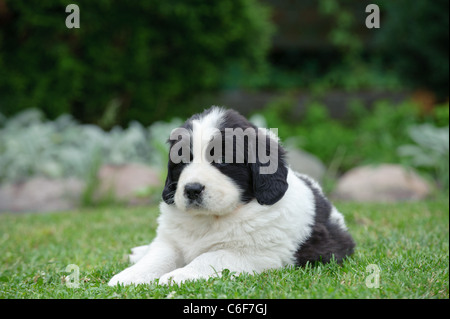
(408, 242)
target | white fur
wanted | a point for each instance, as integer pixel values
(202, 131)
(250, 239)
(220, 194)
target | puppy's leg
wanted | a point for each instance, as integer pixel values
(137, 253)
(160, 258)
(212, 263)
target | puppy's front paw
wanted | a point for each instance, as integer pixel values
(132, 276)
(179, 276)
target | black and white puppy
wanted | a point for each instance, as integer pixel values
(231, 202)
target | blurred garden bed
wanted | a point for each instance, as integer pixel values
(43, 161)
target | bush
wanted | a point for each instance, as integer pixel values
(364, 137)
(33, 146)
(413, 40)
(128, 60)
(381, 135)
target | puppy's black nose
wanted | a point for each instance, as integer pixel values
(193, 190)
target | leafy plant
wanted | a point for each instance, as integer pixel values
(430, 151)
(365, 136)
(31, 146)
(441, 114)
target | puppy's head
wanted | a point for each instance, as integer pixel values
(219, 161)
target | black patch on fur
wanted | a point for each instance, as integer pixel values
(266, 188)
(174, 169)
(173, 174)
(327, 240)
(270, 188)
(238, 172)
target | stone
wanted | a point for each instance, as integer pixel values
(382, 183)
(40, 194)
(305, 163)
(123, 182)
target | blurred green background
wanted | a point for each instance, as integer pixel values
(345, 93)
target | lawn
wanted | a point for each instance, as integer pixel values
(402, 252)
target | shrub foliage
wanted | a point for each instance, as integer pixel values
(129, 59)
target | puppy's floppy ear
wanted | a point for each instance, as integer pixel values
(169, 189)
(269, 173)
(179, 152)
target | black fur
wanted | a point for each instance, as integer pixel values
(270, 188)
(327, 240)
(266, 188)
(174, 169)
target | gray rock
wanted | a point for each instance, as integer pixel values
(383, 183)
(305, 163)
(40, 194)
(122, 182)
